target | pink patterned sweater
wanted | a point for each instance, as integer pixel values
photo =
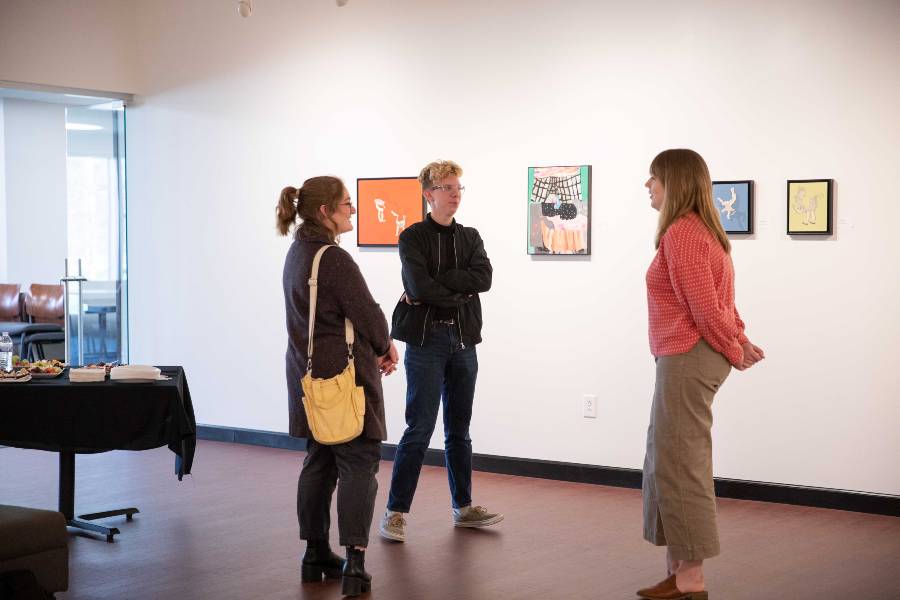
(690, 293)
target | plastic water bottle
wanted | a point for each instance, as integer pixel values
(6, 349)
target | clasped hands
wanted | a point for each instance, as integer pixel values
(752, 355)
(387, 363)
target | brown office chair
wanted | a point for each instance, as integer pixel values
(44, 303)
(10, 308)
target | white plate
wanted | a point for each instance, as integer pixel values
(47, 375)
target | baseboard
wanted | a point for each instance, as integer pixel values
(879, 504)
(253, 437)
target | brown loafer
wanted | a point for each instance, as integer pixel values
(667, 590)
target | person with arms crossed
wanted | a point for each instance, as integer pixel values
(444, 269)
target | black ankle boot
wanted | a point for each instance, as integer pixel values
(319, 561)
(356, 581)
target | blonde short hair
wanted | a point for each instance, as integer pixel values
(437, 170)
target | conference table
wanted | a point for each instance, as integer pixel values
(57, 415)
(101, 310)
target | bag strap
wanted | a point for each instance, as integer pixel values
(313, 293)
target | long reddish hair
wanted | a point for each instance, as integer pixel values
(685, 177)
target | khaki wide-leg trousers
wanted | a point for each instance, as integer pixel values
(679, 497)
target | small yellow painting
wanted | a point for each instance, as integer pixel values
(809, 207)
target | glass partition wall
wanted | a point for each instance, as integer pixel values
(63, 220)
(95, 192)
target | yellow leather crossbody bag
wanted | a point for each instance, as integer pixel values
(335, 407)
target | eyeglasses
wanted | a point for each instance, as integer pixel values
(348, 204)
(449, 188)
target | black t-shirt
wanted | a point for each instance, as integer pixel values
(447, 261)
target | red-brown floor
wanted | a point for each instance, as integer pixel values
(230, 531)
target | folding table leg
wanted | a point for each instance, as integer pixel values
(67, 501)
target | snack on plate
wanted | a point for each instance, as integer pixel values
(17, 375)
(44, 367)
(101, 365)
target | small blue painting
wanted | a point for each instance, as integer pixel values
(734, 203)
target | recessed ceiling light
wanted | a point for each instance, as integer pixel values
(82, 127)
(114, 105)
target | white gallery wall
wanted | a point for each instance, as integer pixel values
(230, 110)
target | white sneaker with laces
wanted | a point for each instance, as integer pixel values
(475, 516)
(393, 526)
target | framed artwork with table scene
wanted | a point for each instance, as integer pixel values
(559, 210)
(387, 206)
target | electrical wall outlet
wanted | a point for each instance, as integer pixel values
(590, 406)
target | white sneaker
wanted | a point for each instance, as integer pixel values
(393, 526)
(475, 516)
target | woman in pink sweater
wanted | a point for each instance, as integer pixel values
(696, 336)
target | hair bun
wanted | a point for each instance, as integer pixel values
(286, 210)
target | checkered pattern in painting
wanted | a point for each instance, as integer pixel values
(566, 188)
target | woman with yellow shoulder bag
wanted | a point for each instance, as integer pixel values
(334, 379)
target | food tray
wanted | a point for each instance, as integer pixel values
(48, 375)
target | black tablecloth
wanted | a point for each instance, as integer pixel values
(58, 415)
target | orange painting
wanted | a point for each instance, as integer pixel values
(385, 207)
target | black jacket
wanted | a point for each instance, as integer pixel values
(456, 288)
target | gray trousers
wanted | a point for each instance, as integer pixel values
(351, 467)
(678, 493)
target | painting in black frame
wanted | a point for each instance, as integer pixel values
(734, 202)
(809, 206)
(385, 207)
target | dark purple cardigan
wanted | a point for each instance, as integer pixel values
(342, 292)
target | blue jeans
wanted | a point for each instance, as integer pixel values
(440, 371)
